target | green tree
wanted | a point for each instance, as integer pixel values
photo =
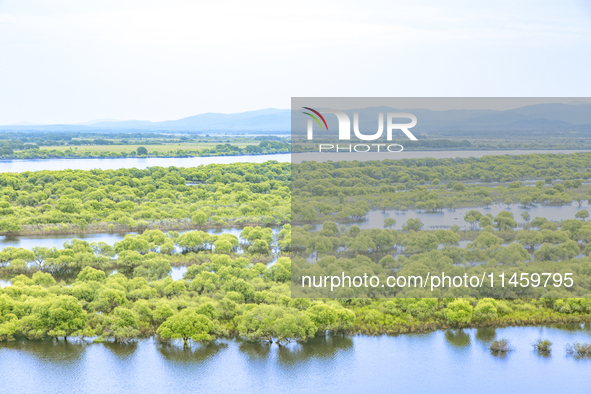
(258, 323)
(458, 312)
(412, 224)
(389, 223)
(61, 316)
(582, 214)
(123, 326)
(485, 310)
(294, 325)
(309, 214)
(259, 247)
(187, 324)
(324, 317)
(199, 217)
(504, 221)
(10, 225)
(192, 241)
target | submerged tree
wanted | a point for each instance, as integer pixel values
(187, 324)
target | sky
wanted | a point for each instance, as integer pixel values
(72, 61)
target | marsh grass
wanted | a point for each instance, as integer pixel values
(579, 349)
(543, 346)
(501, 346)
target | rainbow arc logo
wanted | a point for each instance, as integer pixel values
(315, 118)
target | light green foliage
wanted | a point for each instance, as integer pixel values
(123, 326)
(389, 223)
(458, 312)
(131, 199)
(258, 322)
(43, 279)
(61, 316)
(199, 217)
(294, 326)
(582, 214)
(323, 316)
(486, 241)
(133, 243)
(281, 270)
(505, 221)
(187, 324)
(412, 224)
(226, 292)
(485, 309)
(193, 241)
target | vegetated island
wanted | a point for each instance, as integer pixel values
(145, 144)
(228, 290)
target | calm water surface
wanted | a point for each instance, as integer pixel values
(113, 164)
(322, 157)
(374, 219)
(449, 217)
(451, 361)
(49, 241)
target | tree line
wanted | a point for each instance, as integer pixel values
(69, 201)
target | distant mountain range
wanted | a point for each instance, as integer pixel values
(540, 117)
(264, 120)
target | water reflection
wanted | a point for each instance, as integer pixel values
(122, 351)
(51, 351)
(486, 334)
(457, 338)
(256, 351)
(177, 353)
(321, 348)
(49, 241)
(543, 355)
(316, 348)
(572, 327)
(338, 364)
(499, 355)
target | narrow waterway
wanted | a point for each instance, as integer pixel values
(449, 217)
(141, 163)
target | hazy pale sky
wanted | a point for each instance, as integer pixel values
(68, 61)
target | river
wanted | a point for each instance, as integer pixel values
(453, 361)
(142, 163)
(362, 156)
